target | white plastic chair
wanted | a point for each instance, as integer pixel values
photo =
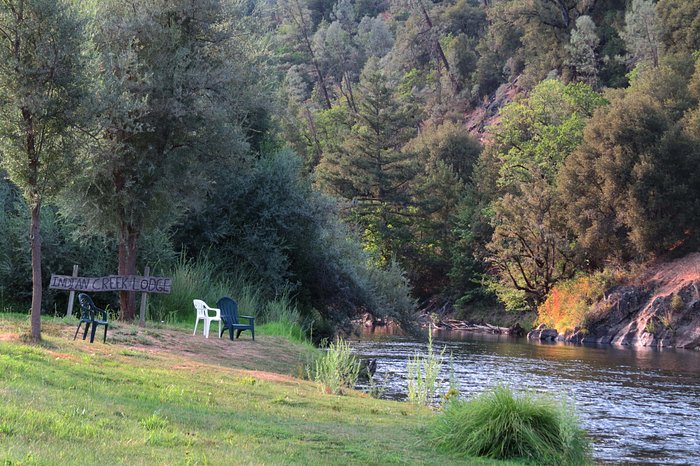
(203, 314)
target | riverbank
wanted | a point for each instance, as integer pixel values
(164, 396)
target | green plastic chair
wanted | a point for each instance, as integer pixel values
(88, 314)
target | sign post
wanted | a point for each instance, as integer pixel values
(71, 296)
(144, 299)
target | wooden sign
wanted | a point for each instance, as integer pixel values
(112, 283)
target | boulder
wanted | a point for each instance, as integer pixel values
(542, 333)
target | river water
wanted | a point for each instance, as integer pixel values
(639, 405)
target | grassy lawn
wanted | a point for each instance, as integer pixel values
(162, 396)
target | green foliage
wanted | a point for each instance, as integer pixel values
(642, 32)
(370, 168)
(680, 31)
(536, 134)
(629, 189)
(423, 374)
(503, 426)
(677, 304)
(531, 247)
(200, 279)
(337, 370)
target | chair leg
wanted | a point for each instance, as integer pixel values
(230, 334)
(92, 334)
(87, 327)
(207, 324)
(252, 330)
(104, 340)
(77, 330)
(219, 329)
(195, 327)
(238, 333)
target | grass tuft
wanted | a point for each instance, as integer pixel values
(501, 426)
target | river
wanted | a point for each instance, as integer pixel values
(639, 405)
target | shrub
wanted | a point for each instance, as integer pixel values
(337, 370)
(499, 425)
(199, 279)
(569, 304)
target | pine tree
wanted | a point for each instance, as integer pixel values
(642, 32)
(370, 169)
(582, 47)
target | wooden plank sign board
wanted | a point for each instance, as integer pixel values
(112, 283)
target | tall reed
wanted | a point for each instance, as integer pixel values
(199, 279)
(423, 374)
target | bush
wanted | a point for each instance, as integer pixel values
(570, 302)
(499, 425)
(337, 370)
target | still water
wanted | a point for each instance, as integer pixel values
(639, 405)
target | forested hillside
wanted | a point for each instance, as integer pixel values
(349, 156)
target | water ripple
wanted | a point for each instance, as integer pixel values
(639, 405)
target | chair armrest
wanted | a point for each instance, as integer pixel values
(105, 314)
(250, 318)
(217, 312)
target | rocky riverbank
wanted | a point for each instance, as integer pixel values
(661, 308)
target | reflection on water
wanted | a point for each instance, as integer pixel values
(640, 405)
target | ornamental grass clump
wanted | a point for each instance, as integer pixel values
(337, 370)
(501, 426)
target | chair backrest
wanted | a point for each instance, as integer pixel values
(201, 307)
(86, 305)
(229, 310)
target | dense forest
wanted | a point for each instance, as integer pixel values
(372, 156)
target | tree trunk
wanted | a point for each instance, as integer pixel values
(127, 266)
(35, 241)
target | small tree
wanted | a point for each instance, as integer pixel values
(642, 32)
(582, 47)
(40, 94)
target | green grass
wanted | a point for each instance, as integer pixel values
(500, 425)
(70, 402)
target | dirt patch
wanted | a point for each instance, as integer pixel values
(185, 351)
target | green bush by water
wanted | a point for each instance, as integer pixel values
(500, 425)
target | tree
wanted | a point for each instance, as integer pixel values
(370, 169)
(582, 47)
(164, 98)
(300, 32)
(643, 32)
(40, 97)
(446, 155)
(374, 36)
(531, 247)
(680, 20)
(631, 189)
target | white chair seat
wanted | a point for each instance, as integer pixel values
(203, 314)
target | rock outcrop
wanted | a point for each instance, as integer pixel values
(542, 333)
(659, 309)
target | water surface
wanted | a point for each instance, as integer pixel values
(639, 405)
